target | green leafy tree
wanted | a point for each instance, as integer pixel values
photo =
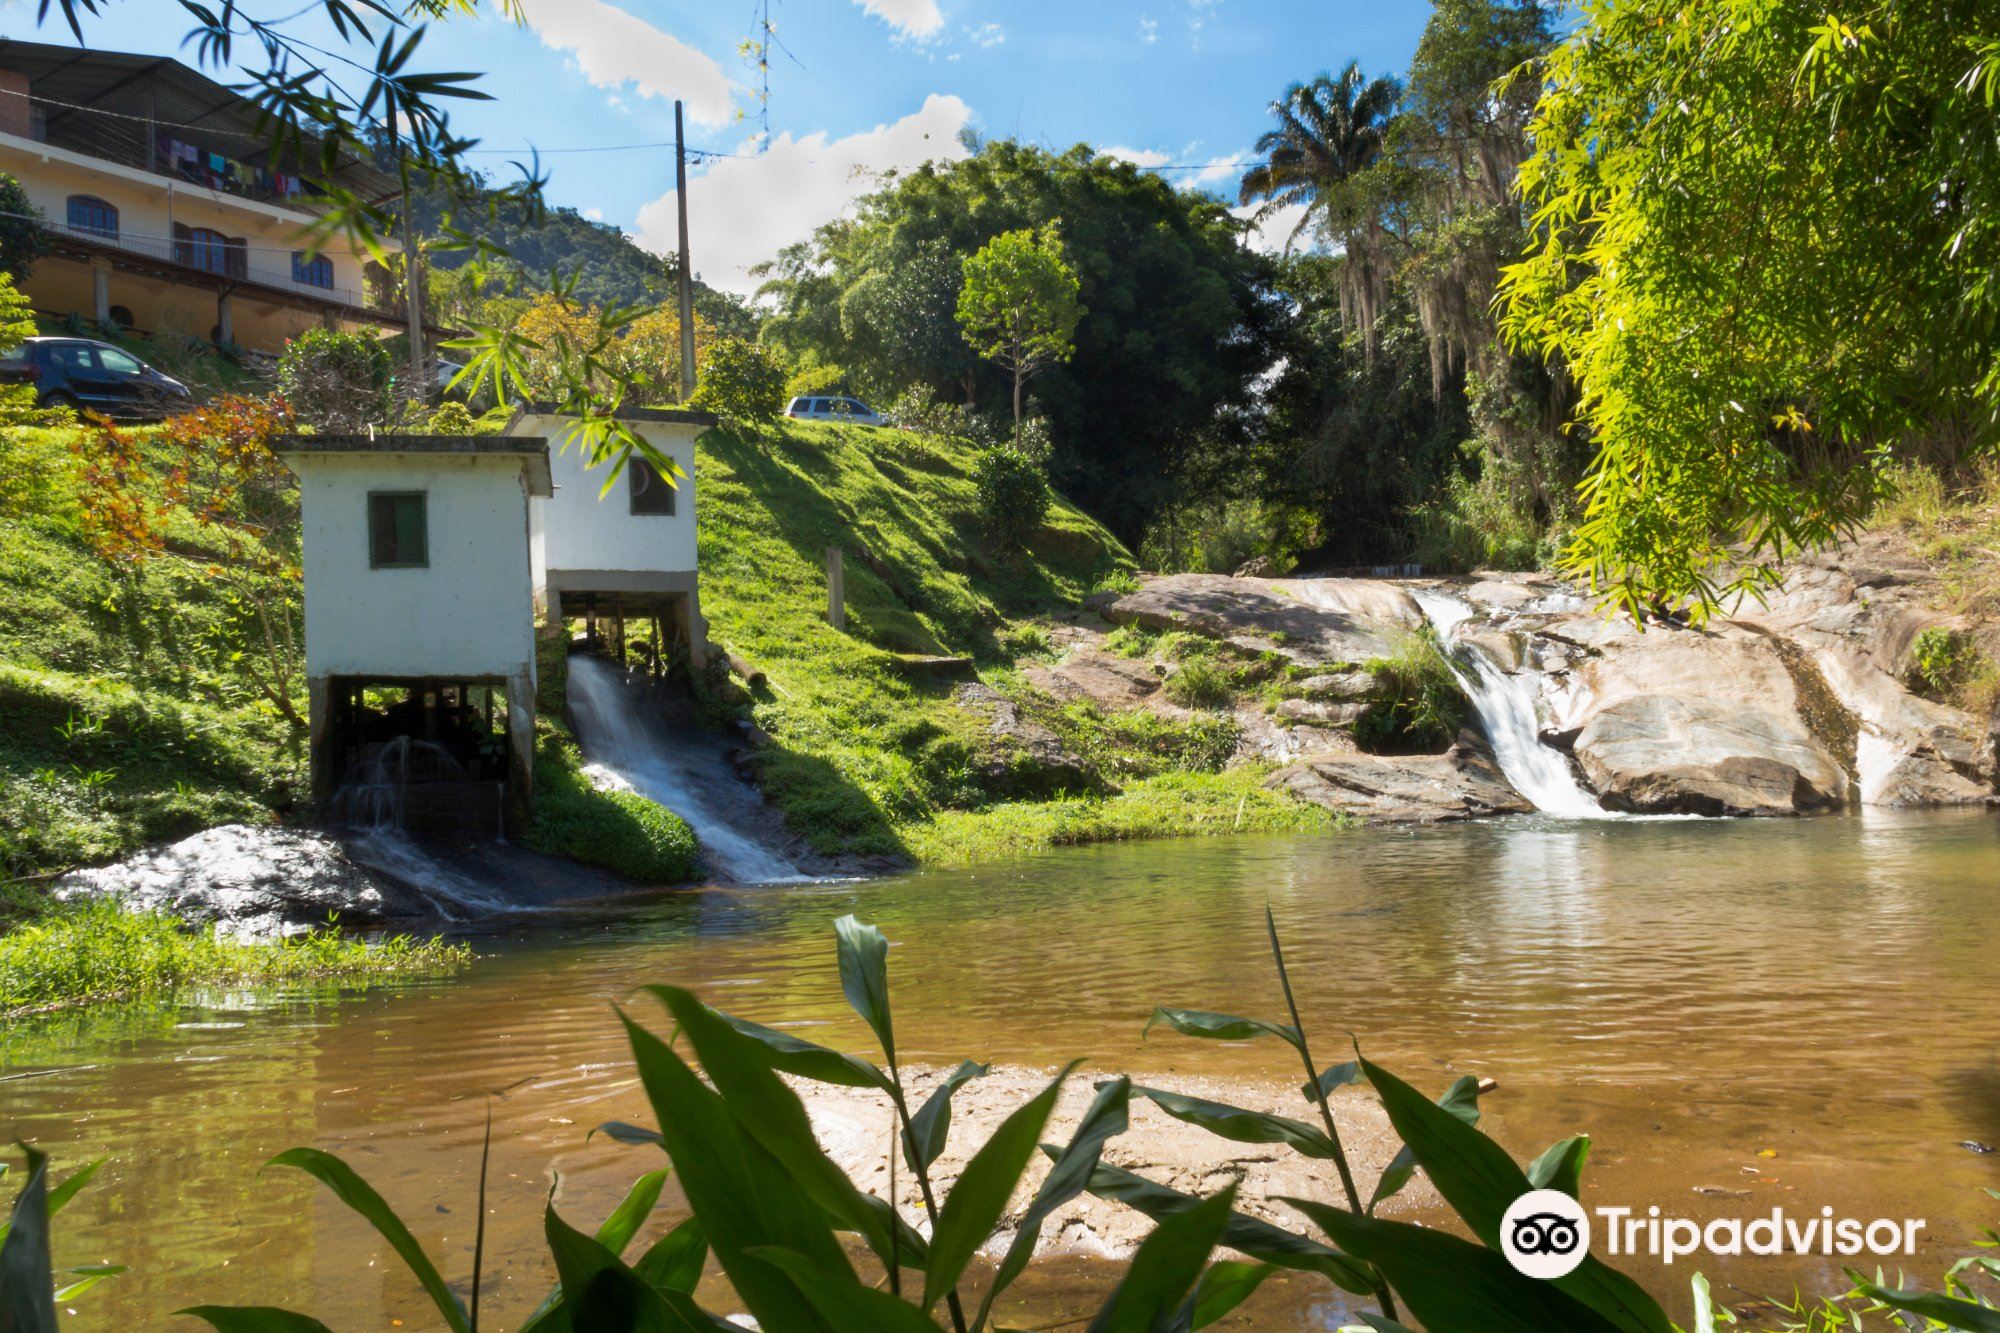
(743, 383)
(1328, 129)
(24, 234)
(1768, 252)
(1019, 306)
(1013, 494)
(337, 381)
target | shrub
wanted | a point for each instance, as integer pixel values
(621, 831)
(1416, 705)
(1013, 494)
(1220, 536)
(919, 408)
(336, 381)
(1478, 524)
(1200, 684)
(1946, 664)
(453, 418)
(742, 382)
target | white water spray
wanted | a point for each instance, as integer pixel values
(628, 747)
(1506, 706)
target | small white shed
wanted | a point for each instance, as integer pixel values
(628, 553)
(420, 620)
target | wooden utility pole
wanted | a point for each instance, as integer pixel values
(836, 588)
(413, 300)
(686, 281)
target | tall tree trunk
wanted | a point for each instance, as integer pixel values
(1018, 379)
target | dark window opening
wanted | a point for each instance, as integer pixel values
(651, 492)
(211, 251)
(314, 272)
(88, 213)
(397, 530)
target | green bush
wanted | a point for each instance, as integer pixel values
(336, 381)
(453, 418)
(1944, 662)
(1416, 705)
(1013, 494)
(1478, 525)
(741, 382)
(620, 831)
(1200, 684)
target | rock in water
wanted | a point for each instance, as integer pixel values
(253, 883)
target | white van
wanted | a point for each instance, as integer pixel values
(851, 410)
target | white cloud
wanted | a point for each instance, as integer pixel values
(912, 18)
(1138, 157)
(1149, 31)
(743, 210)
(1273, 232)
(614, 49)
(594, 214)
(988, 34)
(1221, 171)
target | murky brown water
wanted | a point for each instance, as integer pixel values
(1689, 992)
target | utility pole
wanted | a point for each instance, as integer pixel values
(686, 281)
(413, 300)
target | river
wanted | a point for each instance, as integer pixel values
(1694, 993)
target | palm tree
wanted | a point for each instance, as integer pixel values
(1328, 130)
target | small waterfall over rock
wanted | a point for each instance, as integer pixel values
(1505, 703)
(629, 747)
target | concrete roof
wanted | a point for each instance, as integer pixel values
(533, 451)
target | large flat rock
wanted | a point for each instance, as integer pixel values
(1462, 783)
(1313, 622)
(1710, 722)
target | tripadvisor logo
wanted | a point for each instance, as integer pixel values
(1545, 1234)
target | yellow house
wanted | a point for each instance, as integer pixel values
(165, 207)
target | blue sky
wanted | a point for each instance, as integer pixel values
(868, 85)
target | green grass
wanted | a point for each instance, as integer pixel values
(1170, 805)
(1416, 705)
(620, 831)
(99, 951)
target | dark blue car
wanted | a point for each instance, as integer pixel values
(85, 373)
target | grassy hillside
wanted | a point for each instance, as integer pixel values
(870, 756)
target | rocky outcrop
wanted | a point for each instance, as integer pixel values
(1097, 676)
(1313, 622)
(1462, 783)
(1024, 758)
(1702, 722)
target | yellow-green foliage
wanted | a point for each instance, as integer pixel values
(99, 951)
(621, 831)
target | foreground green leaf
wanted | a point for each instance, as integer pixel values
(27, 1302)
(930, 1127)
(1168, 1264)
(1946, 1310)
(1218, 1027)
(253, 1319)
(1225, 1285)
(864, 977)
(845, 1303)
(1561, 1166)
(1239, 1125)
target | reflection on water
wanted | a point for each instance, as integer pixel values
(1691, 993)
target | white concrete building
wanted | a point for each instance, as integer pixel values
(419, 618)
(623, 555)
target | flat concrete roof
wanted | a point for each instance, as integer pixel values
(533, 451)
(677, 416)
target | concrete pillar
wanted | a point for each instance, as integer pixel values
(225, 328)
(100, 288)
(521, 749)
(319, 700)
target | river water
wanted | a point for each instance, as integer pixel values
(1694, 993)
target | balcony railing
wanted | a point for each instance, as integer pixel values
(244, 263)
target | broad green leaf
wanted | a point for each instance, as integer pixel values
(1479, 1180)
(1561, 1167)
(1462, 1100)
(26, 1285)
(1705, 1309)
(1251, 1235)
(1241, 1126)
(253, 1319)
(821, 1064)
(744, 1196)
(1330, 1078)
(598, 1291)
(1218, 1027)
(58, 1195)
(624, 1133)
(980, 1195)
(1226, 1284)
(674, 1261)
(1452, 1285)
(1108, 1117)
(632, 1211)
(931, 1125)
(361, 1198)
(87, 1276)
(1165, 1269)
(845, 1302)
(864, 977)
(772, 1114)
(1947, 1310)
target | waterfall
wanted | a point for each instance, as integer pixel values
(629, 747)
(1505, 703)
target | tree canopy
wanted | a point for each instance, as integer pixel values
(1018, 305)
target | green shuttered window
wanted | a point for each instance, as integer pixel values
(397, 533)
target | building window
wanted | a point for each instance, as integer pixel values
(88, 213)
(315, 272)
(398, 536)
(651, 493)
(210, 251)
